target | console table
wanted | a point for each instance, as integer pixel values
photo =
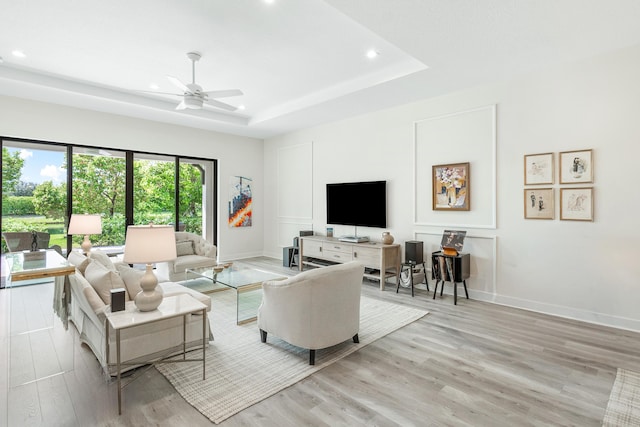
(374, 255)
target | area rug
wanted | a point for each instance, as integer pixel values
(623, 408)
(241, 371)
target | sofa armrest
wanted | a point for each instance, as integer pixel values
(203, 248)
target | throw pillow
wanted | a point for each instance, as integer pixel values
(103, 259)
(78, 260)
(103, 280)
(185, 247)
(131, 278)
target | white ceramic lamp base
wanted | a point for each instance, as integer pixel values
(150, 297)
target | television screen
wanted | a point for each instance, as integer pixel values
(357, 203)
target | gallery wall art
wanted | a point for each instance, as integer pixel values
(538, 203)
(240, 201)
(538, 169)
(576, 203)
(576, 167)
(451, 187)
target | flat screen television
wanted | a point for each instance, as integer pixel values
(357, 203)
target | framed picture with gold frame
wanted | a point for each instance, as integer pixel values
(538, 203)
(451, 187)
(576, 167)
(538, 169)
(576, 204)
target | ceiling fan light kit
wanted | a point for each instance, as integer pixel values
(193, 97)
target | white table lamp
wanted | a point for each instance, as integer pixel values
(85, 224)
(147, 244)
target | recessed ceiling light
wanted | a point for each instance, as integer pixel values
(154, 86)
(241, 107)
(372, 53)
(268, 1)
(19, 54)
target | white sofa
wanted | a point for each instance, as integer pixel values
(315, 309)
(144, 343)
(193, 252)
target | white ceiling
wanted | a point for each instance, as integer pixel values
(299, 62)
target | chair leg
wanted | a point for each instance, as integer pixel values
(263, 335)
(435, 291)
(356, 339)
(312, 357)
(464, 282)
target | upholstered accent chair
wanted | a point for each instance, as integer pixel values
(193, 252)
(315, 309)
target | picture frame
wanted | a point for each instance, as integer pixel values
(538, 169)
(451, 187)
(576, 204)
(539, 203)
(576, 166)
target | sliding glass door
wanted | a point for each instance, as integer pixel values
(98, 183)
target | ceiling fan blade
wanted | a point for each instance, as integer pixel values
(223, 93)
(177, 83)
(155, 92)
(222, 105)
(181, 106)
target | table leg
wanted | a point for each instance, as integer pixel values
(184, 337)
(118, 369)
(204, 340)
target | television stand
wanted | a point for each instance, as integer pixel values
(382, 261)
(354, 239)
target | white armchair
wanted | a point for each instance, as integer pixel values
(315, 309)
(193, 252)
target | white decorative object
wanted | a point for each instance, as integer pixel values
(147, 244)
(85, 224)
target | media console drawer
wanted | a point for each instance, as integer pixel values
(337, 256)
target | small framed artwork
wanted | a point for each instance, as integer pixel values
(538, 169)
(451, 187)
(576, 204)
(576, 167)
(538, 203)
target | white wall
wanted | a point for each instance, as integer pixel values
(236, 155)
(584, 270)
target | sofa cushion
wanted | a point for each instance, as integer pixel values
(103, 280)
(185, 247)
(172, 288)
(192, 261)
(102, 258)
(131, 278)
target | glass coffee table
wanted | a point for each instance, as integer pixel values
(246, 281)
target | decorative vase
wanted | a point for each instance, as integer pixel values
(387, 238)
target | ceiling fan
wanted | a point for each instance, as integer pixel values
(193, 97)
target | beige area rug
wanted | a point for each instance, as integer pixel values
(241, 371)
(623, 408)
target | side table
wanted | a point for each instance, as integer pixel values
(411, 266)
(174, 306)
(451, 268)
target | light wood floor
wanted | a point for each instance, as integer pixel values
(475, 364)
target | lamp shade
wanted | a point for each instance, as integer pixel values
(85, 224)
(146, 244)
